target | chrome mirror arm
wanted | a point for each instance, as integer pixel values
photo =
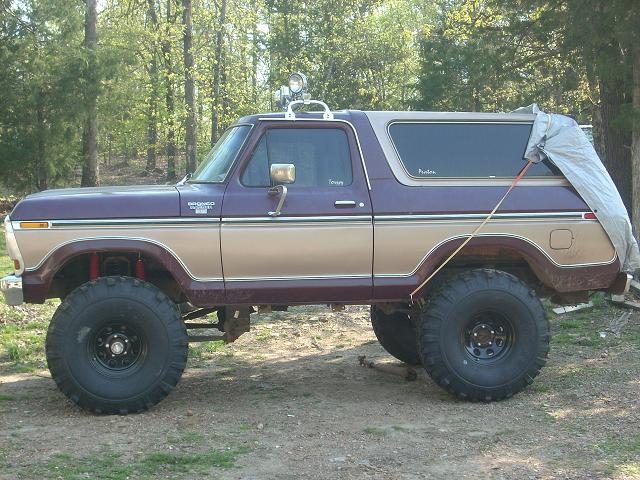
(278, 190)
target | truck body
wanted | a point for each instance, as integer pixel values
(358, 208)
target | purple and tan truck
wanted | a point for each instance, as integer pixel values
(335, 208)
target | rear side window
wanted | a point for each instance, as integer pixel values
(465, 150)
(321, 157)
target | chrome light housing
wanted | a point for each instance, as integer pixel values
(12, 246)
(298, 83)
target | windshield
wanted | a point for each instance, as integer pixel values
(218, 161)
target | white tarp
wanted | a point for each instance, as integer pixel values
(561, 140)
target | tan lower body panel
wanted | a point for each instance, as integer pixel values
(299, 250)
(401, 246)
(197, 248)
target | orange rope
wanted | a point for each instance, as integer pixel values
(475, 232)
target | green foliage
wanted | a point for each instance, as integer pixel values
(487, 55)
(357, 53)
(40, 104)
(491, 55)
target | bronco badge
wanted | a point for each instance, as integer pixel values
(201, 208)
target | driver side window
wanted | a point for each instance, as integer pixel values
(321, 157)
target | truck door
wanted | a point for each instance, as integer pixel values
(319, 248)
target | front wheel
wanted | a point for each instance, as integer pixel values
(116, 345)
(484, 335)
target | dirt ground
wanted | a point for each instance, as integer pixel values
(289, 401)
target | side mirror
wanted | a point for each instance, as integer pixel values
(282, 173)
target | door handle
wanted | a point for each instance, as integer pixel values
(344, 203)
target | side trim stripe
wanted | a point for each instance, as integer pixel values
(480, 216)
(457, 237)
(138, 239)
(329, 219)
(300, 277)
(181, 221)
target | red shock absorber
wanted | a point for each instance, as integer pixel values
(94, 266)
(140, 269)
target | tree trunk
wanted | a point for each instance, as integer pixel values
(41, 166)
(152, 113)
(635, 145)
(189, 86)
(217, 65)
(90, 133)
(171, 129)
(617, 156)
(110, 155)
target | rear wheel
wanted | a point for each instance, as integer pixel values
(483, 335)
(116, 345)
(397, 334)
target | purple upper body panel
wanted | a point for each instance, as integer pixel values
(388, 195)
(144, 201)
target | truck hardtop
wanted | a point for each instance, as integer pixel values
(396, 210)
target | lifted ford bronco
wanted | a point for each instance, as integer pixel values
(345, 207)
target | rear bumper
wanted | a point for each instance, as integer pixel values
(11, 287)
(621, 285)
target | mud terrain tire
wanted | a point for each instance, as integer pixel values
(116, 345)
(483, 336)
(397, 335)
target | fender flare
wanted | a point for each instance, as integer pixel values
(559, 278)
(37, 282)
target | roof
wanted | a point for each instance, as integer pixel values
(387, 116)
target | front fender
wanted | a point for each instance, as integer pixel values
(37, 282)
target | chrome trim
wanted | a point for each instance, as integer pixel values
(282, 173)
(344, 203)
(13, 250)
(481, 216)
(280, 190)
(353, 129)
(627, 285)
(323, 219)
(123, 222)
(456, 237)
(295, 277)
(116, 237)
(291, 115)
(11, 288)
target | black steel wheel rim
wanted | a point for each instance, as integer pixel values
(117, 346)
(488, 336)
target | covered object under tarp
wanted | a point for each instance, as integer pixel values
(562, 141)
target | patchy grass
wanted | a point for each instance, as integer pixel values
(586, 328)
(23, 331)
(187, 438)
(111, 466)
(203, 351)
(621, 454)
(107, 466)
(176, 462)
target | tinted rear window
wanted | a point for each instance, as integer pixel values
(463, 150)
